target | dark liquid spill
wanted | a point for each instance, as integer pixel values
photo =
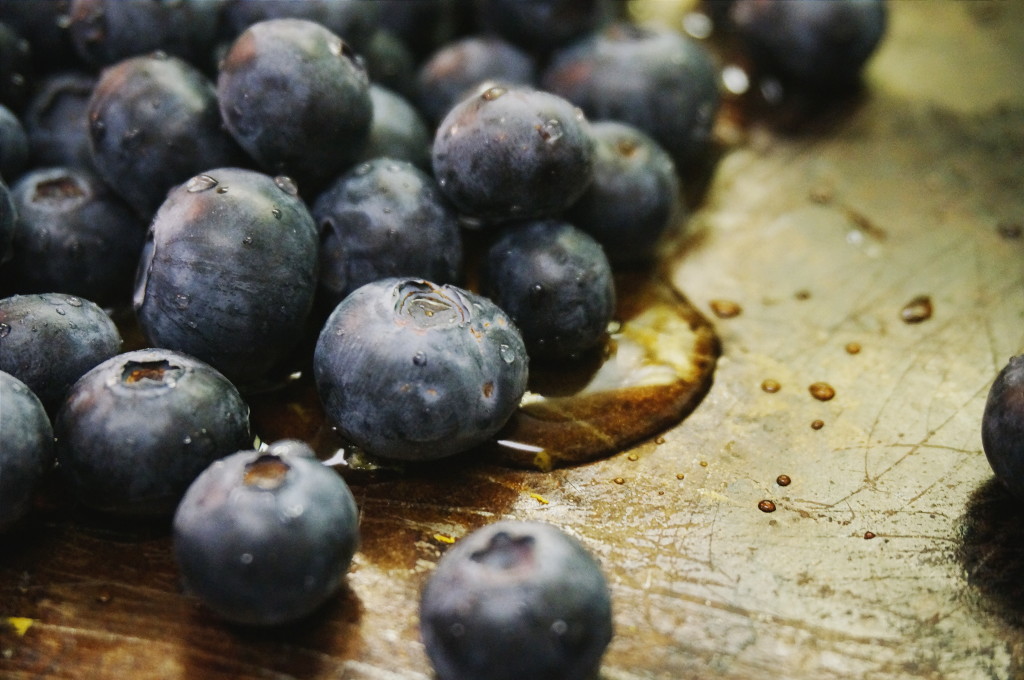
(655, 368)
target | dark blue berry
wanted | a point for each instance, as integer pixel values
(408, 369)
(1002, 426)
(56, 122)
(138, 428)
(72, 235)
(397, 131)
(555, 282)
(8, 219)
(385, 218)
(648, 76)
(13, 146)
(354, 21)
(390, 64)
(266, 537)
(516, 600)
(48, 341)
(515, 153)
(542, 25)
(457, 68)
(634, 198)
(297, 99)
(27, 451)
(229, 272)
(15, 68)
(153, 123)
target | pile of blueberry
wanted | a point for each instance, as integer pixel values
(233, 177)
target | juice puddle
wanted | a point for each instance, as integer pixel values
(655, 368)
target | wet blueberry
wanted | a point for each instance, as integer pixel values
(648, 76)
(135, 430)
(13, 146)
(266, 537)
(412, 370)
(820, 44)
(398, 130)
(634, 198)
(516, 600)
(55, 122)
(515, 153)
(456, 68)
(354, 21)
(1002, 426)
(382, 219)
(297, 99)
(27, 451)
(555, 282)
(229, 272)
(48, 341)
(153, 123)
(72, 235)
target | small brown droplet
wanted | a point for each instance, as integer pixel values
(802, 295)
(680, 475)
(703, 463)
(821, 391)
(619, 480)
(771, 386)
(633, 456)
(725, 309)
(869, 535)
(853, 348)
(783, 480)
(766, 506)
(821, 194)
(917, 310)
(817, 424)
(659, 441)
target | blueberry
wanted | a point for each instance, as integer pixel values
(265, 538)
(42, 24)
(8, 219)
(229, 271)
(408, 369)
(354, 21)
(397, 131)
(72, 235)
(456, 68)
(1002, 426)
(55, 122)
(385, 218)
(135, 430)
(648, 76)
(516, 600)
(390, 64)
(542, 25)
(515, 153)
(13, 146)
(153, 123)
(297, 99)
(48, 341)
(556, 284)
(27, 451)
(818, 44)
(634, 198)
(107, 31)
(15, 68)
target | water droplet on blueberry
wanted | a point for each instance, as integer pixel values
(551, 131)
(200, 183)
(420, 359)
(508, 355)
(287, 185)
(492, 93)
(74, 302)
(5, 330)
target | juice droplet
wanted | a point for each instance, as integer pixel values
(917, 310)
(725, 309)
(783, 480)
(771, 386)
(853, 348)
(817, 424)
(633, 457)
(619, 480)
(200, 183)
(821, 391)
(868, 535)
(680, 475)
(766, 506)
(287, 185)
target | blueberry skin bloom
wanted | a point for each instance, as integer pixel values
(555, 282)
(27, 451)
(137, 429)
(153, 123)
(1002, 426)
(265, 538)
(408, 369)
(513, 153)
(385, 218)
(648, 76)
(48, 341)
(297, 99)
(635, 195)
(229, 272)
(516, 600)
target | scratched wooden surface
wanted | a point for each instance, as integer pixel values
(891, 554)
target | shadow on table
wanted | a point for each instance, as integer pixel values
(990, 547)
